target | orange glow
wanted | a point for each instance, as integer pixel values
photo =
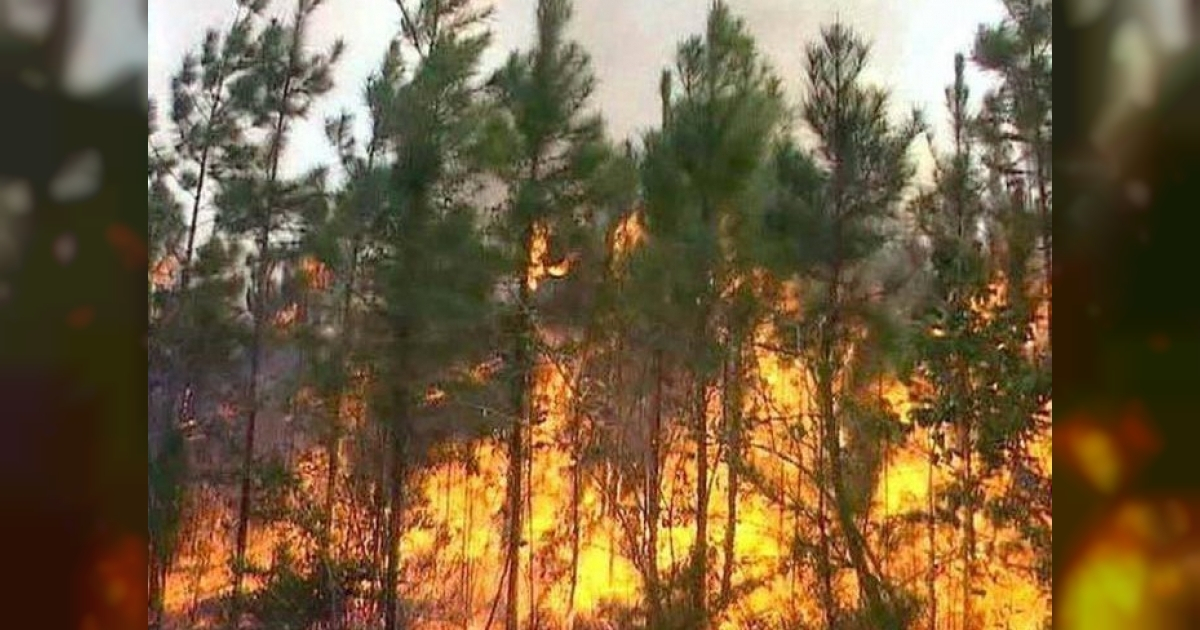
(129, 247)
(629, 234)
(116, 599)
(1138, 568)
(318, 276)
(81, 317)
(453, 541)
(286, 316)
(163, 272)
(434, 396)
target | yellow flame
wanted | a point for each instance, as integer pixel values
(539, 266)
(453, 545)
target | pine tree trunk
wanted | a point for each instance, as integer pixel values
(468, 568)
(381, 495)
(576, 421)
(1047, 223)
(931, 520)
(653, 496)
(333, 448)
(244, 501)
(733, 445)
(535, 418)
(185, 270)
(855, 544)
(259, 308)
(968, 543)
(829, 602)
(333, 455)
(522, 367)
(576, 483)
(514, 505)
(700, 547)
(398, 446)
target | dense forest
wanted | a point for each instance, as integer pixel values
(494, 369)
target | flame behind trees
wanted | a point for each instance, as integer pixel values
(699, 174)
(718, 406)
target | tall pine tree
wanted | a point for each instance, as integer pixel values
(866, 159)
(433, 271)
(280, 84)
(700, 176)
(550, 154)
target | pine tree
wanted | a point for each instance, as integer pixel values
(279, 85)
(1016, 130)
(551, 156)
(202, 134)
(434, 273)
(980, 388)
(1020, 51)
(203, 116)
(187, 304)
(192, 338)
(797, 184)
(950, 343)
(868, 170)
(699, 177)
(166, 477)
(336, 245)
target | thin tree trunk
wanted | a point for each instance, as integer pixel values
(733, 418)
(1047, 224)
(398, 446)
(855, 544)
(700, 546)
(968, 543)
(527, 505)
(381, 495)
(699, 593)
(797, 519)
(516, 438)
(333, 446)
(614, 505)
(932, 527)
(244, 501)
(259, 308)
(576, 482)
(829, 603)
(576, 492)
(468, 577)
(653, 495)
(185, 270)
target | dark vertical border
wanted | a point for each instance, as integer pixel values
(1127, 294)
(72, 371)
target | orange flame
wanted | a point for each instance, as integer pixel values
(454, 546)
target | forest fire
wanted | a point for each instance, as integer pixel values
(749, 402)
(455, 549)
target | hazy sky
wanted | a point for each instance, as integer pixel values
(630, 41)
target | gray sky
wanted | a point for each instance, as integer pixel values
(630, 42)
